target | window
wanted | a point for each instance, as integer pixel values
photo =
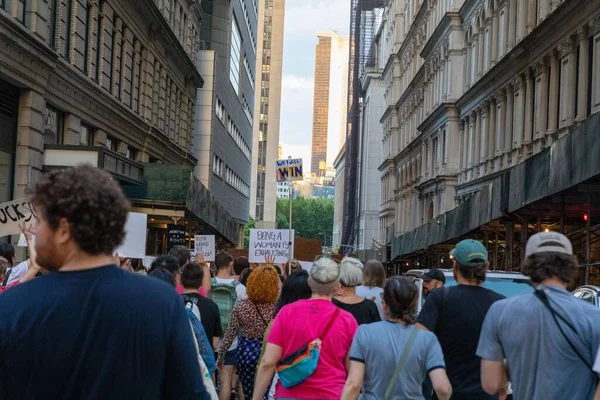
(220, 111)
(131, 153)
(67, 43)
(86, 134)
(99, 50)
(235, 56)
(111, 143)
(52, 13)
(53, 127)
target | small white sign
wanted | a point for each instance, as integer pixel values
(270, 242)
(134, 245)
(205, 244)
(23, 242)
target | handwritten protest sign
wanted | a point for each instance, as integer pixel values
(13, 214)
(205, 244)
(269, 242)
(134, 245)
(175, 236)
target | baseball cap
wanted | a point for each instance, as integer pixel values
(433, 273)
(546, 242)
(470, 253)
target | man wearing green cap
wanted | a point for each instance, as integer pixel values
(455, 314)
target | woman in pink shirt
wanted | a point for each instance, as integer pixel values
(306, 320)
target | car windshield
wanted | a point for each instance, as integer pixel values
(504, 286)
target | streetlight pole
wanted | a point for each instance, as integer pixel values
(290, 243)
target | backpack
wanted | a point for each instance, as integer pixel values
(192, 303)
(204, 346)
(225, 296)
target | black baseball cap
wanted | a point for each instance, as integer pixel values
(433, 273)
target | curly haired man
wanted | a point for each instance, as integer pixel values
(89, 329)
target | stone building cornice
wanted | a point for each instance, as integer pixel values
(450, 20)
(539, 43)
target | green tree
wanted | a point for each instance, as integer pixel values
(250, 225)
(311, 218)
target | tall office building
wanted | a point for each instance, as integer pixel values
(225, 106)
(265, 145)
(330, 100)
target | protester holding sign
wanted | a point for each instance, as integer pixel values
(69, 333)
(270, 243)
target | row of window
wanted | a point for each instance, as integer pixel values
(248, 25)
(233, 130)
(249, 71)
(247, 109)
(220, 169)
(236, 182)
(177, 18)
(54, 134)
(235, 56)
(235, 133)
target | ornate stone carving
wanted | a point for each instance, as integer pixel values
(538, 67)
(595, 24)
(565, 47)
(517, 83)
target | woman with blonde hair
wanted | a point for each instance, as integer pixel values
(251, 317)
(364, 310)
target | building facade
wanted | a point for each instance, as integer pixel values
(329, 100)
(265, 144)
(474, 89)
(225, 107)
(112, 83)
(339, 194)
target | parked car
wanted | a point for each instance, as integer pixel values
(588, 293)
(506, 283)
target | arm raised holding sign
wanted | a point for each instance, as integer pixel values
(34, 268)
(206, 284)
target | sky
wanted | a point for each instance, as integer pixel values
(303, 19)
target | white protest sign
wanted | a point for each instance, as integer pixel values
(148, 260)
(13, 214)
(134, 245)
(23, 241)
(306, 265)
(205, 244)
(269, 242)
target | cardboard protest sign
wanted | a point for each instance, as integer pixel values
(306, 265)
(13, 214)
(270, 242)
(134, 245)
(175, 236)
(205, 244)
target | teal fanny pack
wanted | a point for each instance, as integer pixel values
(298, 366)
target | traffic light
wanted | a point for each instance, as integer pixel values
(585, 217)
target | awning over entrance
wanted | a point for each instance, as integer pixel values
(572, 160)
(174, 187)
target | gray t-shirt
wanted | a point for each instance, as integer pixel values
(379, 346)
(542, 365)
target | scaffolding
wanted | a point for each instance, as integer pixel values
(364, 21)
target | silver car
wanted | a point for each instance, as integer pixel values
(588, 293)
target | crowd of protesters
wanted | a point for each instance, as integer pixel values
(79, 322)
